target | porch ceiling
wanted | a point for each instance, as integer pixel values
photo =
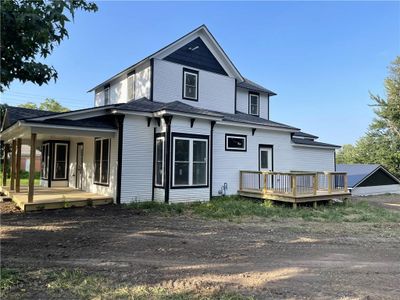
(23, 130)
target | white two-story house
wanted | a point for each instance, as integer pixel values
(177, 126)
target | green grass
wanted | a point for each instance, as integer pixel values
(24, 181)
(8, 279)
(78, 284)
(236, 208)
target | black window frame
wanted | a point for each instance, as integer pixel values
(101, 155)
(107, 91)
(158, 185)
(258, 103)
(55, 161)
(194, 72)
(228, 135)
(191, 137)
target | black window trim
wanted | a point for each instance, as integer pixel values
(189, 136)
(186, 70)
(107, 89)
(227, 135)
(66, 161)
(258, 103)
(94, 160)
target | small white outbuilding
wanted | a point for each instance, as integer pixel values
(369, 179)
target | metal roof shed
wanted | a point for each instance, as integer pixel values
(369, 179)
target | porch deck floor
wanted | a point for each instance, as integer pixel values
(54, 198)
(300, 198)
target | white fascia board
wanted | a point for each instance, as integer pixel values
(132, 112)
(175, 113)
(72, 113)
(38, 125)
(248, 125)
(314, 146)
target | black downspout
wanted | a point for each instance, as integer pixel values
(167, 120)
(154, 165)
(151, 79)
(211, 156)
(120, 125)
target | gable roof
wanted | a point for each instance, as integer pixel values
(14, 114)
(251, 85)
(357, 173)
(164, 52)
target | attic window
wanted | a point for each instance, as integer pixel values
(131, 85)
(190, 84)
(106, 95)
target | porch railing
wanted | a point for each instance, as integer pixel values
(293, 183)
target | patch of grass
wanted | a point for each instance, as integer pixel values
(8, 279)
(78, 284)
(235, 208)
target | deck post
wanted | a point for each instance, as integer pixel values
(265, 183)
(346, 183)
(32, 168)
(315, 204)
(18, 167)
(240, 180)
(13, 150)
(294, 205)
(315, 183)
(293, 183)
(329, 183)
(5, 163)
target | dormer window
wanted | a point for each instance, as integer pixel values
(190, 84)
(254, 104)
(106, 95)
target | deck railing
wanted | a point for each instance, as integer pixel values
(293, 183)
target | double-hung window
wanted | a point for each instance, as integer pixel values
(107, 95)
(190, 161)
(60, 161)
(254, 104)
(101, 160)
(190, 84)
(159, 163)
(131, 85)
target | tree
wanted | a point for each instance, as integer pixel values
(30, 30)
(381, 144)
(48, 104)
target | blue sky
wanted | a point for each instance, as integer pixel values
(322, 59)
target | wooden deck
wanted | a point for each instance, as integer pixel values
(55, 198)
(294, 187)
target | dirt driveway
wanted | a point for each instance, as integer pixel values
(265, 259)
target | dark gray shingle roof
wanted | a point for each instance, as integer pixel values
(249, 119)
(251, 85)
(14, 114)
(104, 122)
(304, 135)
(356, 172)
(312, 143)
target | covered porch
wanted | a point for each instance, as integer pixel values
(294, 187)
(73, 172)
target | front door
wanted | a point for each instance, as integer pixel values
(79, 165)
(265, 159)
(265, 164)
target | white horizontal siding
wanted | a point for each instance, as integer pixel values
(119, 88)
(242, 102)
(137, 160)
(189, 195)
(216, 92)
(313, 159)
(227, 164)
(159, 195)
(376, 190)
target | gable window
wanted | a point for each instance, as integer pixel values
(107, 95)
(101, 160)
(235, 142)
(254, 104)
(60, 161)
(190, 161)
(159, 163)
(190, 84)
(131, 85)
